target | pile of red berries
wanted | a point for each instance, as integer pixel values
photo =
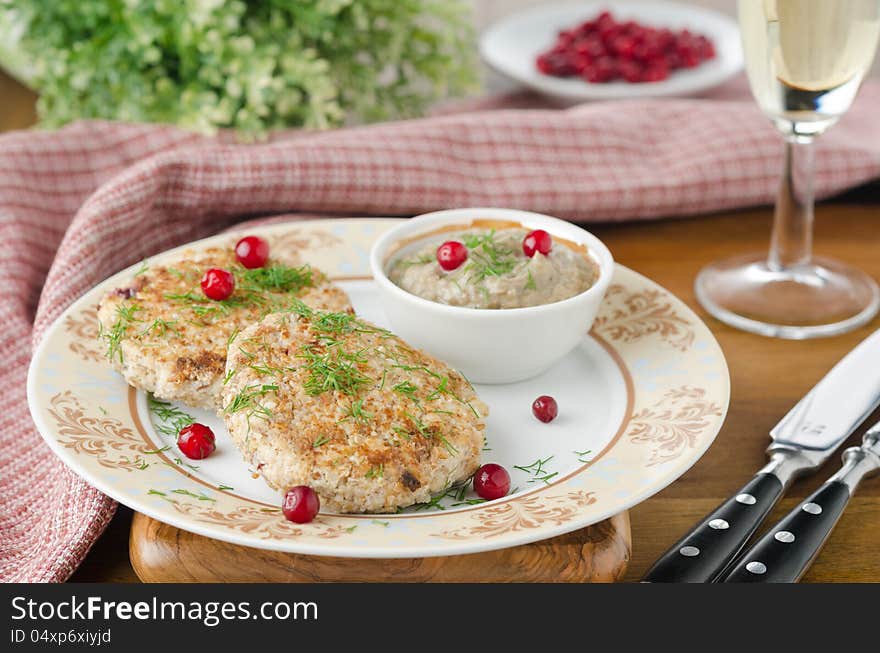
(603, 49)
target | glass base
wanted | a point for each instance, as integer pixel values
(822, 298)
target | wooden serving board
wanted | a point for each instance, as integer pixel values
(163, 553)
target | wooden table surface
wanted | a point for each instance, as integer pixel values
(767, 377)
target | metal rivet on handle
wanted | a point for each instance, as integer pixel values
(746, 499)
(812, 508)
(784, 536)
(756, 567)
(719, 524)
(689, 551)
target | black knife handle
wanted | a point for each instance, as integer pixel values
(703, 554)
(786, 551)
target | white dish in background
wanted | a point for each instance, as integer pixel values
(489, 345)
(511, 46)
(640, 400)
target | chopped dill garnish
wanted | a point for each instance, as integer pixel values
(334, 322)
(201, 496)
(145, 265)
(232, 337)
(357, 413)
(416, 368)
(486, 257)
(536, 467)
(203, 307)
(277, 277)
(421, 260)
(421, 427)
(351, 529)
(228, 376)
(157, 451)
(178, 461)
(321, 440)
(538, 471)
(265, 370)
(407, 389)
(530, 284)
(333, 370)
(156, 492)
(376, 472)
(160, 327)
(442, 389)
(456, 492)
(246, 399)
(326, 322)
(448, 445)
(582, 455)
(172, 418)
(469, 502)
(125, 317)
(225, 487)
(379, 522)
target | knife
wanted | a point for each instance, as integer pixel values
(788, 549)
(803, 440)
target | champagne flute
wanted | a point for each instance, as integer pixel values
(805, 61)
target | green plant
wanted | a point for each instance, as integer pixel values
(249, 65)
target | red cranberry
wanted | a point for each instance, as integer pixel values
(689, 58)
(537, 241)
(451, 254)
(602, 20)
(196, 441)
(623, 46)
(252, 252)
(565, 37)
(655, 73)
(631, 71)
(672, 60)
(586, 27)
(707, 50)
(581, 63)
(592, 47)
(218, 284)
(544, 64)
(545, 408)
(491, 481)
(300, 504)
(604, 69)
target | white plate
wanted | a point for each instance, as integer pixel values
(645, 395)
(512, 45)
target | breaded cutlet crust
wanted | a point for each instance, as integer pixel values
(368, 422)
(164, 336)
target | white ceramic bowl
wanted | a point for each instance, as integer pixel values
(490, 345)
(512, 45)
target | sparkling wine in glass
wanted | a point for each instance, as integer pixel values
(805, 61)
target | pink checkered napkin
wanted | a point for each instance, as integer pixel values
(79, 204)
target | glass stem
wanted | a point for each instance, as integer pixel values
(792, 241)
